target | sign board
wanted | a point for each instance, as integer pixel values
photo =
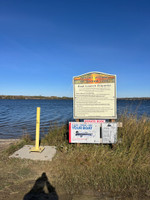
(109, 133)
(94, 96)
(80, 132)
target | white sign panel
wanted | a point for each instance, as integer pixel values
(109, 133)
(80, 132)
(95, 96)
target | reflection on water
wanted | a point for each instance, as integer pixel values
(18, 117)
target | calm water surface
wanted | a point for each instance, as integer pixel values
(18, 117)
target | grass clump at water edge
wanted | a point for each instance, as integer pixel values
(26, 139)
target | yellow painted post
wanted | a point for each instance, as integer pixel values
(37, 128)
(37, 139)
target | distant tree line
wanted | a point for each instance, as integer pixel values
(31, 97)
(55, 97)
(134, 98)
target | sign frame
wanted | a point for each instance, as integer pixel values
(115, 99)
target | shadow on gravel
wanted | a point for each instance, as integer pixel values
(38, 193)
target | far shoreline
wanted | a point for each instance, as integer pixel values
(34, 97)
(60, 98)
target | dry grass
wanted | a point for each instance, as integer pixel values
(121, 170)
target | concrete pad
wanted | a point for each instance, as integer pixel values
(47, 154)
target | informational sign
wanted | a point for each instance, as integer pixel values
(81, 132)
(95, 96)
(109, 133)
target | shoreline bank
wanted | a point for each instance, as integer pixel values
(4, 143)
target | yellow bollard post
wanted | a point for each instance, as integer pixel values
(37, 128)
(37, 148)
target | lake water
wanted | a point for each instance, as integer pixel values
(18, 117)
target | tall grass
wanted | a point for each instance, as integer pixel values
(123, 169)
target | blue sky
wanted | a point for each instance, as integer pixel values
(44, 43)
